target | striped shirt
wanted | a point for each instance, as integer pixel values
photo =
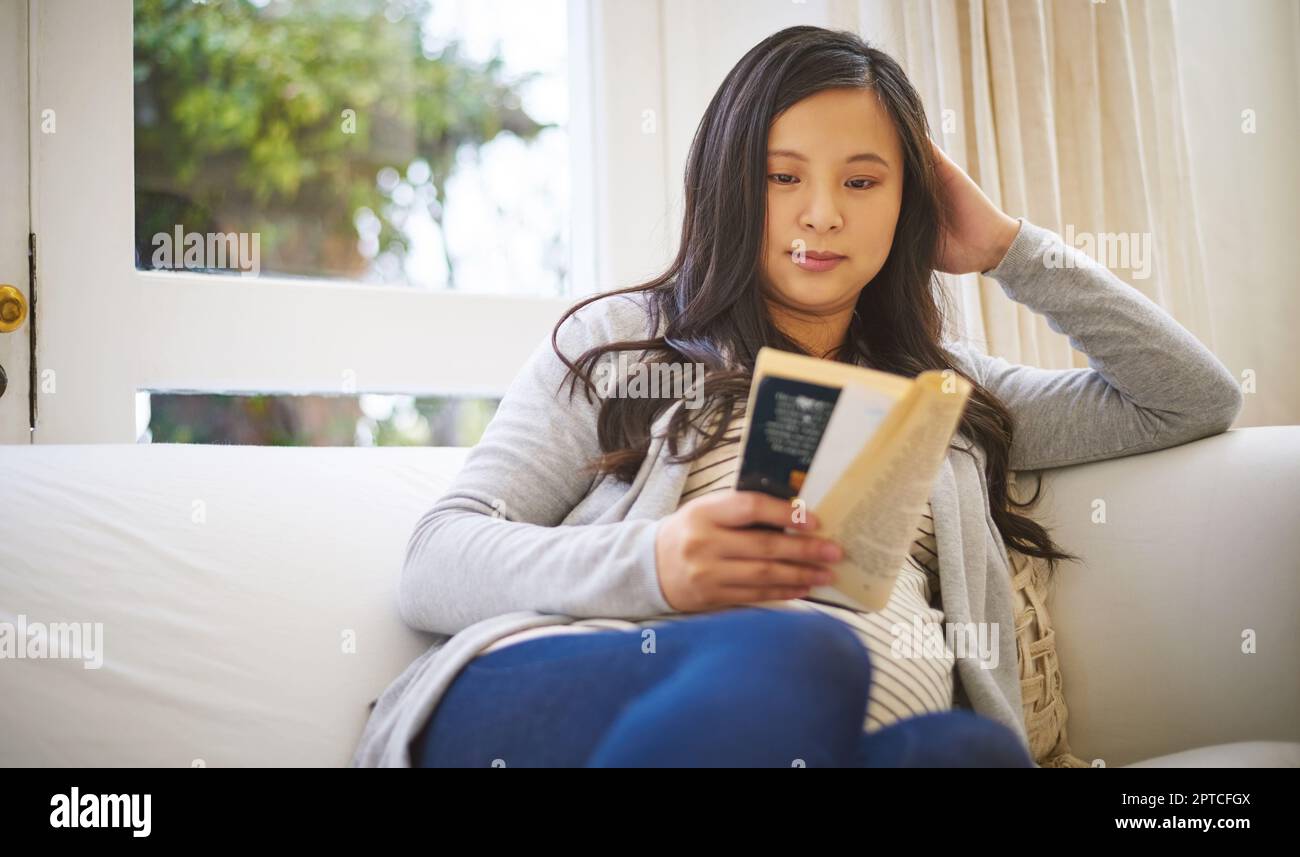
(900, 687)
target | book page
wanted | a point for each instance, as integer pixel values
(875, 507)
(858, 414)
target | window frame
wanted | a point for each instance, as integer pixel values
(109, 330)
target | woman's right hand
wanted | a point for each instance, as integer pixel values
(707, 559)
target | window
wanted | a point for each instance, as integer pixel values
(406, 143)
(397, 142)
(362, 286)
(266, 420)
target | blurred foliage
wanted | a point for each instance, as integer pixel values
(261, 420)
(278, 116)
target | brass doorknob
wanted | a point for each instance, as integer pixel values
(13, 309)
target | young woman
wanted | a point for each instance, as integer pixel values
(598, 590)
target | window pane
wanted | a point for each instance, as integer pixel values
(282, 420)
(404, 142)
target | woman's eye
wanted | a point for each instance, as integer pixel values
(856, 184)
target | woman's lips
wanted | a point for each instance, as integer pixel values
(816, 262)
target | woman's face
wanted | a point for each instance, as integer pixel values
(834, 188)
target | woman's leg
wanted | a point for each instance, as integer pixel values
(739, 688)
(944, 739)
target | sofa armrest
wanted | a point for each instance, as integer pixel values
(1188, 554)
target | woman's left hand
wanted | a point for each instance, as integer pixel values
(978, 233)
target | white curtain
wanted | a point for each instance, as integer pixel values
(1068, 113)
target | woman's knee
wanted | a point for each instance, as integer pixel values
(811, 643)
(821, 636)
(959, 738)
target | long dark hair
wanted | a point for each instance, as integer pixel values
(712, 295)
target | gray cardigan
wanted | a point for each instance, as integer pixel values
(524, 537)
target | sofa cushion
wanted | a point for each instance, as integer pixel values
(246, 597)
(1242, 754)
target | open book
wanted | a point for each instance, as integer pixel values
(860, 448)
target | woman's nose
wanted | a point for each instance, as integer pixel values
(822, 214)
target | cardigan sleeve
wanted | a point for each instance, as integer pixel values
(1151, 384)
(492, 545)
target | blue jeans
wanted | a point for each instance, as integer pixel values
(743, 687)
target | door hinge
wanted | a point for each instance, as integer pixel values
(31, 331)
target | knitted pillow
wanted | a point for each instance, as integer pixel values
(1040, 673)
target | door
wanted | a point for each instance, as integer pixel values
(15, 291)
(116, 321)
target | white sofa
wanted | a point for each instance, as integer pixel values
(229, 582)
